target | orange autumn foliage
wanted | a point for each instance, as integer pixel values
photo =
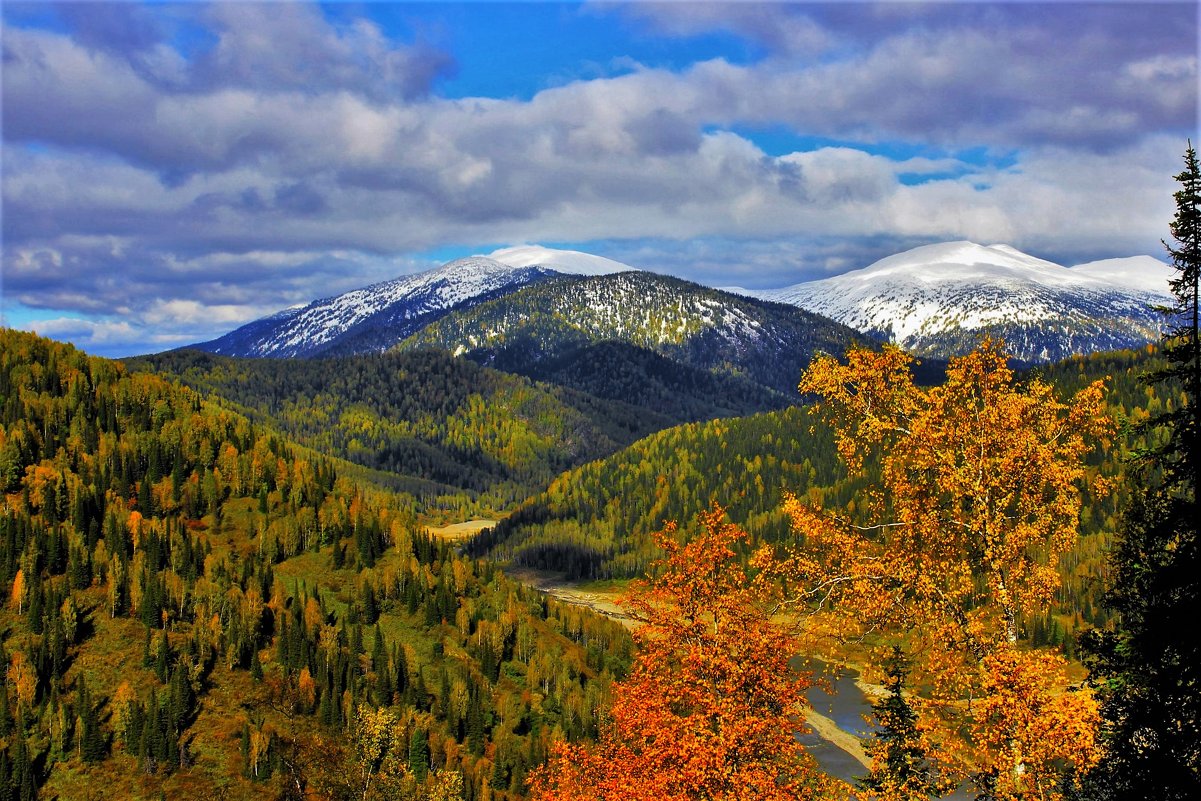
(711, 706)
(979, 496)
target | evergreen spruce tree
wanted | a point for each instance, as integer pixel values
(256, 666)
(419, 755)
(91, 740)
(22, 768)
(379, 666)
(475, 722)
(901, 767)
(147, 660)
(370, 604)
(400, 666)
(6, 777)
(6, 718)
(244, 748)
(499, 779)
(1149, 667)
(151, 750)
(162, 658)
(35, 611)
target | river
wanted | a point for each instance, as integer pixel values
(849, 709)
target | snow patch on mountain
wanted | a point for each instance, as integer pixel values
(571, 262)
(394, 307)
(1143, 273)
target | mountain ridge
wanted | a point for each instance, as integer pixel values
(760, 341)
(394, 308)
(937, 300)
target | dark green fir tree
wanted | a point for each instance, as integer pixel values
(419, 755)
(901, 764)
(1148, 669)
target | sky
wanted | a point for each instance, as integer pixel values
(172, 171)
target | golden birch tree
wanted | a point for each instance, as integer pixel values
(978, 497)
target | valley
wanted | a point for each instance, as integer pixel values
(431, 528)
(283, 543)
(593, 401)
(252, 477)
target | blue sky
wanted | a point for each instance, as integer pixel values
(171, 171)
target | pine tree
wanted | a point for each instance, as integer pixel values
(379, 666)
(6, 776)
(91, 740)
(256, 666)
(419, 755)
(244, 748)
(147, 660)
(23, 784)
(901, 766)
(1149, 668)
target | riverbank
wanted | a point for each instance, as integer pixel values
(839, 752)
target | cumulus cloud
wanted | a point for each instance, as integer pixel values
(779, 27)
(293, 157)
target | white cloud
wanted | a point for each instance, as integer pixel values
(297, 157)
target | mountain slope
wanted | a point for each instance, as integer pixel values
(596, 520)
(1135, 272)
(659, 386)
(205, 609)
(373, 318)
(449, 426)
(765, 343)
(938, 299)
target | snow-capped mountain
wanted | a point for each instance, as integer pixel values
(1136, 272)
(934, 300)
(702, 328)
(378, 316)
(937, 300)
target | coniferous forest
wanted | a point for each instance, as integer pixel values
(199, 607)
(222, 576)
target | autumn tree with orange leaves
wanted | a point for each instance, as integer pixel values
(711, 707)
(978, 496)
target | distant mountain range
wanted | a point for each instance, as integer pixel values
(376, 317)
(766, 343)
(937, 300)
(526, 308)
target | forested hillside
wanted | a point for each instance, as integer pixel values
(460, 433)
(596, 521)
(657, 385)
(199, 608)
(765, 343)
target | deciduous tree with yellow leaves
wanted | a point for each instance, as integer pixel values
(978, 496)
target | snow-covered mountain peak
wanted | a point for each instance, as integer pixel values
(1144, 273)
(572, 262)
(377, 316)
(937, 299)
(957, 261)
